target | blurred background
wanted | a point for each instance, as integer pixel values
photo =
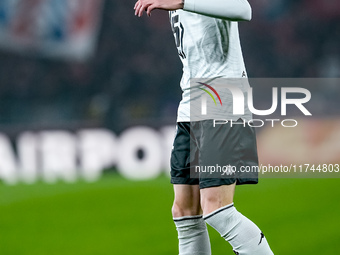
(88, 101)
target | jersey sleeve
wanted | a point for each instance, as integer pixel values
(236, 10)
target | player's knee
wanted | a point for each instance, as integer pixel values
(176, 211)
(216, 197)
(181, 210)
(211, 203)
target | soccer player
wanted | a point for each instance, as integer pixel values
(207, 39)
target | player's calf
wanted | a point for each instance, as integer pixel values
(243, 235)
(192, 235)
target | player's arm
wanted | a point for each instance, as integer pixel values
(237, 10)
(149, 5)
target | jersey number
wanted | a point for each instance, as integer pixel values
(178, 30)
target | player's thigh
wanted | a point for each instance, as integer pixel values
(184, 156)
(214, 198)
(224, 151)
(187, 200)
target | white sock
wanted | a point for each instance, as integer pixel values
(192, 235)
(243, 235)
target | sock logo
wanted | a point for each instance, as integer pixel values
(236, 252)
(262, 236)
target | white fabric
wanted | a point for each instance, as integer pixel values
(224, 9)
(242, 234)
(193, 236)
(208, 48)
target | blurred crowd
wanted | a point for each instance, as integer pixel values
(293, 38)
(133, 77)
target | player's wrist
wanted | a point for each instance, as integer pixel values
(182, 4)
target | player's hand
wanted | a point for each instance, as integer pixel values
(149, 5)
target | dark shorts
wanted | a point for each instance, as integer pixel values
(214, 156)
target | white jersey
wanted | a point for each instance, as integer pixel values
(208, 47)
